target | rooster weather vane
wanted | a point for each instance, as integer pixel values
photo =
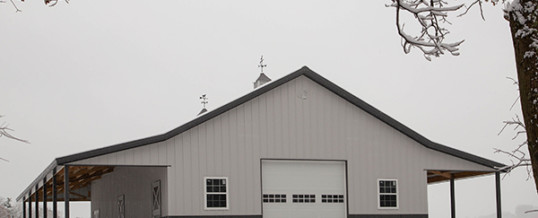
(204, 100)
(261, 65)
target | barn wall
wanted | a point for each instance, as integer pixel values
(298, 120)
(133, 182)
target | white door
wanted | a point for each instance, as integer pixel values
(303, 189)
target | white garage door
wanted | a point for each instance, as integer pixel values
(303, 189)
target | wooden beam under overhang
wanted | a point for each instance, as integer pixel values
(435, 176)
(443, 174)
(80, 177)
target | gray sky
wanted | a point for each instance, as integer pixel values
(95, 73)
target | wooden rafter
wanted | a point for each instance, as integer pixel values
(447, 175)
(79, 177)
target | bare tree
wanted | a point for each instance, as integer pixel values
(517, 155)
(4, 132)
(522, 16)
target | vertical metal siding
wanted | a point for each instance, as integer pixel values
(135, 184)
(298, 120)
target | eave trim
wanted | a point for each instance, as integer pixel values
(304, 71)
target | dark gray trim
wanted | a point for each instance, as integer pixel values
(23, 208)
(261, 184)
(30, 205)
(66, 191)
(54, 194)
(498, 194)
(45, 197)
(221, 216)
(397, 125)
(304, 71)
(36, 201)
(38, 179)
(349, 216)
(388, 216)
(347, 188)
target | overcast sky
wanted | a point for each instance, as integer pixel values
(96, 73)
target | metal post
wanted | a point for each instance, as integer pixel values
(66, 191)
(23, 208)
(54, 195)
(452, 197)
(36, 201)
(45, 197)
(498, 193)
(30, 204)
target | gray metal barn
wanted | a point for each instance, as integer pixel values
(299, 146)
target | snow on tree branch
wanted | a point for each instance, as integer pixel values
(430, 15)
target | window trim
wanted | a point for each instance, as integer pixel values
(379, 195)
(226, 193)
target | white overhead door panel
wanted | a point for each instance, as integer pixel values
(303, 189)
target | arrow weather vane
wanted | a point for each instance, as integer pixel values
(204, 99)
(261, 65)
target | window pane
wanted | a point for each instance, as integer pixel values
(274, 198)
(216, 200)
(216, 193)
(303, 198)
(388, 193)
(387, 201)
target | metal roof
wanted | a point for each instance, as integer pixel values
(304, 71)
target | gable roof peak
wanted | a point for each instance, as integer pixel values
(304, 71)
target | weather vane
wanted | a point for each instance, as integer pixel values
(261, 64)
(204, 99)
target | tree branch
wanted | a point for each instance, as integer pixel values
(429, 16)
(517, 155)
(4, 131)
(470, 6)
(15, 6)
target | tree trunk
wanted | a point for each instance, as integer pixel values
(524, 27)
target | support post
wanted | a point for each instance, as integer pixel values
(23, 208)
(498, 193)
(45, 197)
(452, 197)
(66, 191)
(30, 204)
(54, 195)
(37, 201)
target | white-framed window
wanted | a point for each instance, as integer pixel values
(216, 193)
(387, 190)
